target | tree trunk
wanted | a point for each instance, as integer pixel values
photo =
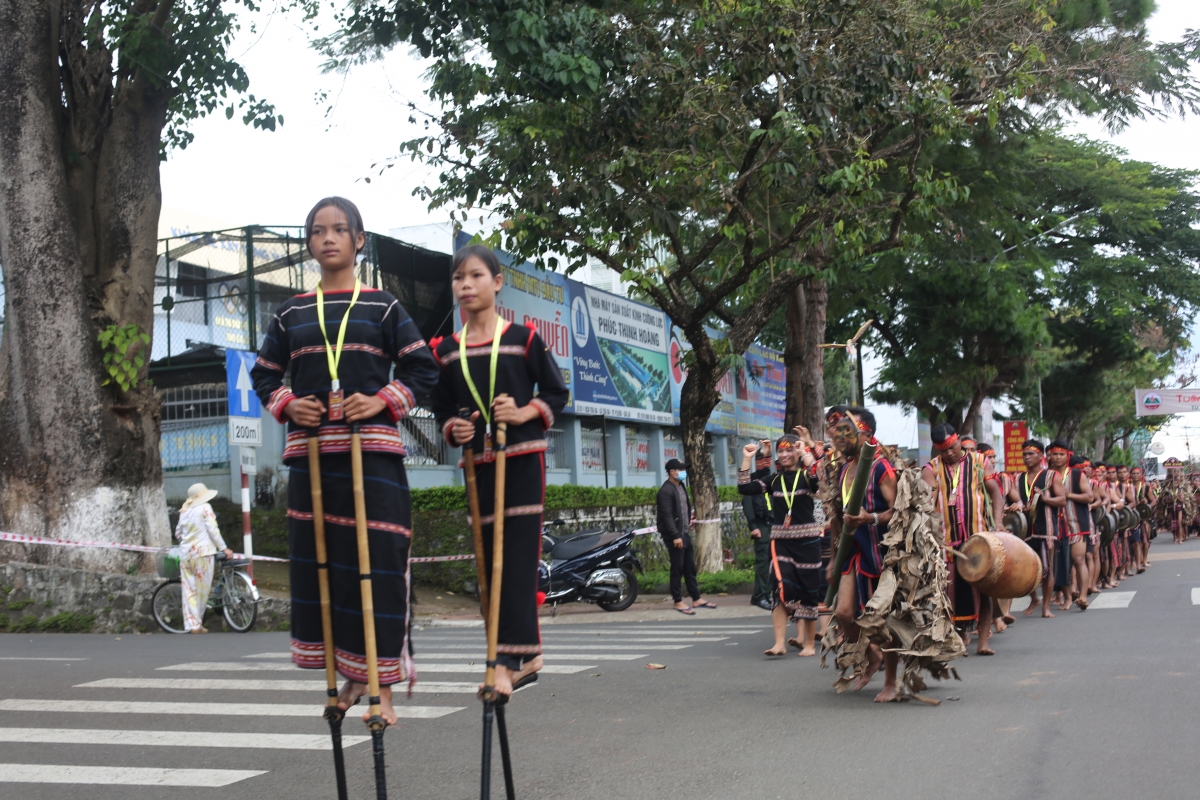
(803, 357)
(969, 419)
(697, 399)
(79, 204)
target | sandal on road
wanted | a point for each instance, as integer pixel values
(705, 604)
(687, 611)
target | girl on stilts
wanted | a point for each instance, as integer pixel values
(501, 372)
(341, 343)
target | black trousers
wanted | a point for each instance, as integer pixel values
(762, 568)
(683, 565)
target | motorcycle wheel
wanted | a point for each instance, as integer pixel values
(627, 598)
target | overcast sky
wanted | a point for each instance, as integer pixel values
(233, 175)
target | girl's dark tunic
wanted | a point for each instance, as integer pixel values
(379, 335)
(796, 546)
(527, 372)
(866, 559)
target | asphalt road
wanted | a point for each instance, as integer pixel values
(1098, 704)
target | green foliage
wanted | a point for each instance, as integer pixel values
(728, 580)
(559, 497)
(67, 622)
(3, 622)
(27, 624)
(123, 358)
(17, 605)
(5, 589)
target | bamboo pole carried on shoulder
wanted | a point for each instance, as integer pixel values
(333, 714)
(375, 721)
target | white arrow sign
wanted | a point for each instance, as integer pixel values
(244, 386)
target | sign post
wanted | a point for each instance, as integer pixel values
(1016, 433)
(245, 431)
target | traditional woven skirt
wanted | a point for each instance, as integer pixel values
(963, 596)
(524, 495)
(389, 514)
(796, 568)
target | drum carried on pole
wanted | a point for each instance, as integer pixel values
(999, 565)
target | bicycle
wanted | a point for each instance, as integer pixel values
(233, 592)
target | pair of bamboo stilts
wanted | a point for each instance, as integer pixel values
(333, 714)
(489, 604)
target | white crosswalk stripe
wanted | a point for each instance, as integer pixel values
(548, 656)
(264, 741)
(1196, 597)
(123, 776)
(310, 710)
(1113, 600)
(229, 685)
(250, 666)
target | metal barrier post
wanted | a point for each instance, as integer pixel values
(251, 311)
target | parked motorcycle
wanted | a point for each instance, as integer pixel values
(591, 566)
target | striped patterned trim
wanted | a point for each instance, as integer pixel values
(515, 511)
(485, 350)
(278, 401)
(488, 456)
(336, 439)
(308, 655)
(398, 398)
(801, 611)
(544, 410)
(808, 531)
(417, 345)
(320, 348)
(797, 564)
(520, 649)
(348, 522)
(262, 362)
(354, 667)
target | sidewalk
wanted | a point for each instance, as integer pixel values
(648, 608)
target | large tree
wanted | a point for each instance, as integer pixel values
(93, 94)
(718, 155)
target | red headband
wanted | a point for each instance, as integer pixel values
(1085, 463)
(951, 440)
(1031, 450)
(1059, 450)
(834, 418)
(785, 445)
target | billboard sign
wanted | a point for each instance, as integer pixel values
(1016, 433)
(723, 418)
(1154, 402)
(760, 393)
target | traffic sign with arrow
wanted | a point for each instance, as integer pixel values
(245, 410)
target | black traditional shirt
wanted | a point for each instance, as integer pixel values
(379, 335)
(525, 371)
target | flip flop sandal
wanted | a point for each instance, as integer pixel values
(687, 611)
(705, 604)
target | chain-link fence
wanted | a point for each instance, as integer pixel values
(219, 289)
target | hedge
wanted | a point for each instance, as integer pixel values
(558, 497)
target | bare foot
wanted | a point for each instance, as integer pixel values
(984, 650)
(873, 662)
(1009, 619)
(1033, 604)
(805, 652)
(777, 650)
(385, 706)
(350, 692)
(1046, 614)
(1001, 625)
(1083, 604)
(505, 677)
(887, 695)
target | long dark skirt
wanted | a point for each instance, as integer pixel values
(796, 568)
(964, 599)
(389, 515)
(524, 495)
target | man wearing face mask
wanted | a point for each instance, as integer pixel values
(674, 514)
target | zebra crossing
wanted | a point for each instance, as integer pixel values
(97, 738)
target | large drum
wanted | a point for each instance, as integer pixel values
(1016, 523)
(999, 565)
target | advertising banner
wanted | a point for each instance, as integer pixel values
(1153, 402)
(620, 356)
(534, 296)
(760, 393)
(1016, 433)
(723, 419)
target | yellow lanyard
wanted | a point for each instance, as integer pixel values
(789, 497)
(1028, 492)
(846, 491)
(462, 357)
(335, 356)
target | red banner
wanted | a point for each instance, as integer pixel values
(1016, 433)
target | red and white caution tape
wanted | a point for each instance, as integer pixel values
(136, 548)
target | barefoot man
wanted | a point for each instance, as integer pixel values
(964, 497)
(860, 575)
(1076, 520)
(1032, 496)
(795, 536)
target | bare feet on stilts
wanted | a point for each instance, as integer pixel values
(351, 691)
(505, 677)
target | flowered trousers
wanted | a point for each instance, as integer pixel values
(196, 574)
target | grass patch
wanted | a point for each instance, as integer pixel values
(27, 624)
(3, 622)
(710, 582)
(17, 605)
(68, 622)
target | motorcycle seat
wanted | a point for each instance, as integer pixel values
(580, 543)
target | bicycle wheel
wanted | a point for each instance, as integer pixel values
(167, 606)
(241, 609)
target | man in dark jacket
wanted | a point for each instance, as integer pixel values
(674, 518)
(758, 519)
